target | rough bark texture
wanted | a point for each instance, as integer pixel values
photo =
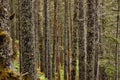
(74, 41)
(61, 31)
(6, 52)
(66, 41)
(47, 40)
(17, 20)
(68, 34)
(12, 27)
(36, 21)
(101, 29)
(117, 44)
(56, 54)
(27, 40)
(97, 49)
(90, 39)
(55, 29)
(41, 37)
(82, 39)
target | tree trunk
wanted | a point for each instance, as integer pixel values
(47, 41)
(55, 30)
(27, 40)
(56, 55)
(74, 41)
(12, 27)
(97, 39)
(36, 21)
(66, 42)
(17, 19)
(41, 37)
(90, 39)
(6, 51)
(117, 44)
(82, 40)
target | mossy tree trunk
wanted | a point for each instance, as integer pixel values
(6, 52)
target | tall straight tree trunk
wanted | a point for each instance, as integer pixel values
(56, 55)
(66, 41)
(117, 44)
(97, 38)
(39, 33)
(27, 40)
(11, 2)
(100, 20)
(18, 33)
(12, 27)
(17, 20)
(47, 41)
(55, 29)
(36, 19)
(57, 41)
(82, 40)
(74, 41)
(41, 37)
(71, 21)
(90, 39)
(60, 31)
(69, 44)
(70, 36)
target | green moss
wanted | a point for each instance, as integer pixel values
(8, 74)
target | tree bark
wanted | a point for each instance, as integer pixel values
(27, 40)
(47, 41)
(74, 41)
(117, 44)
(90, 39)
(36, 21)
(66, 41)
(6, 50)
(82, 40)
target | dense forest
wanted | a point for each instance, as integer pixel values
(59, 39)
